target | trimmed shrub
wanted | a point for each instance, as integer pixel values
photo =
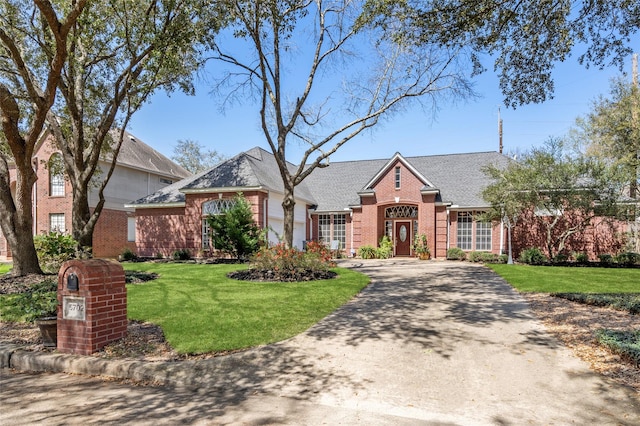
(385, 248)
(628, 258)
(503, 258)
(533, 256)
(128, 255)
(560, 258)
(234, 231)
(182, 254)
(486, 257)
(624, 343)
(605, 259)
(582, 257)
(474, 256)
(629, 302)
(367, 252)
(456, 253)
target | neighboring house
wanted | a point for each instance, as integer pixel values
(347, 204)
(140, 170)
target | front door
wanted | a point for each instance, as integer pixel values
(403, 238)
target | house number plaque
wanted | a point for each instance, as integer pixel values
(73, 308)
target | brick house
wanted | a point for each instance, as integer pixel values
(139, 171)
(347, 204)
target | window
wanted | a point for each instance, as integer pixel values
(56, 222)
(465, 224)
(206, 234)
(131, 229)
(397, 177)
(324, 228)
(340, 229)
(483, 236)
(213, 207)
(166, 181)
(56, 176)
(388, 229)
(468, 227)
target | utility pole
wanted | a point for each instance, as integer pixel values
(499, 131)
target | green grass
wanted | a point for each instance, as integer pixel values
(557, 279)
(5, 267)
(201, 310)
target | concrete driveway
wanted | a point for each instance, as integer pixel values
(426, 343)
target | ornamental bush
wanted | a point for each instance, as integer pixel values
(456, 253)
(283, 260)
(533, 256)
(53, 249)
(628, 258)
(367, 252)
(385, 248)
(320, 249)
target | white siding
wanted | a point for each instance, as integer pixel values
(276, 220)
(126, 185)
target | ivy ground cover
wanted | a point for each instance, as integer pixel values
(201, 310)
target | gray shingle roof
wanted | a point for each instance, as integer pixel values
(255, 168)
(137, 154)
(459, 178)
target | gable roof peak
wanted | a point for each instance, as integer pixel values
(393, 160)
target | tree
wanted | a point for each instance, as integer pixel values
(234, 231)
(120, 52)
(322, 94)
(192, 156)
(611, 132)
(558, 193)
(27, 92)
(525, 39)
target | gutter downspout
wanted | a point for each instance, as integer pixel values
(448, 228)
(502, 236)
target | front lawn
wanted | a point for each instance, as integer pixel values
(558, 279)
(201, 310)
(4, 268)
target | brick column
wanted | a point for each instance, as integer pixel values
(95, 313)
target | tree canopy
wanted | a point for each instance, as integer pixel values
(611, 132)
(193, 156)
(28, 85)
(524, 39)
(559, 193)
(120, 52)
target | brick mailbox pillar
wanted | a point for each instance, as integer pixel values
(93, 305)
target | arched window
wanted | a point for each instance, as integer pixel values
(56, 176)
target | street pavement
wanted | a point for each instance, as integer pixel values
(435, 343)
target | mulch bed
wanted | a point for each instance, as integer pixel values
(267, 275)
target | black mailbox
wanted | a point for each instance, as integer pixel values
(72, 282)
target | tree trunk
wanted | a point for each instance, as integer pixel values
(82, 229)
(288, 207)
(17, 224)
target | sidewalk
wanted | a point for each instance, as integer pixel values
(430, 342)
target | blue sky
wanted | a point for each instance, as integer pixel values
(470, 126)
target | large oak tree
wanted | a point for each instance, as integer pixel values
(120, 52)
(27, 92)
